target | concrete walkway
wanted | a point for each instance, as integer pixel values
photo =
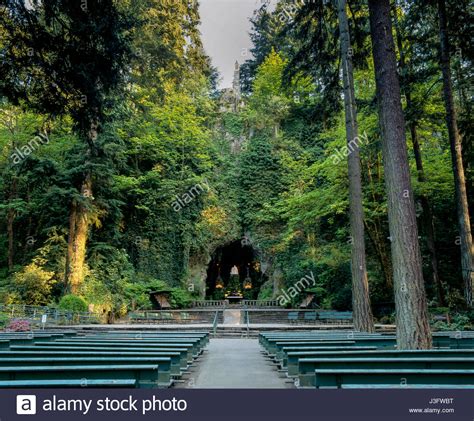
(233, 364)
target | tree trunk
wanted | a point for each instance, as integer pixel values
(427, 220)
(467, 252)
(78, 233)
(363, 319)
(10, 230)
(79, 222)
(413, 330)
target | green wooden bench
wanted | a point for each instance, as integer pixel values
(203, 336)
(195, 351)
(276, 346)
(164, 363)
(307, 366)
(282, 353)
(293, 316)
(147, 332)
(24, 341)
(407, 386)
(4, 344)
(268, 342)
(461, 343)
(201, 341)
(194, 338)
(378, 342)
(155, 350)
(310, 316)
(31, 335)
(178, 359)
(335, 316)
(338, 377)
(185, 342)
(293, 357)
(96, 383)
(27, 339)
(134, 317)
(465, 341)
(289, 360)
(146, 375)
(69, 333)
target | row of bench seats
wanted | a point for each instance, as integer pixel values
(322, 316)
(341, 359)
(96, 359)
(162, 315)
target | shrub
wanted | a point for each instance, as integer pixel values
(459, 321)
(33, 285)
(18, 325)
(4, 318)
(470, 315)
(72, 303)
(439, 311)
(180, 298)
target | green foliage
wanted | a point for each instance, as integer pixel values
(32, 285)
(109, 275)
(73, 303)
(4, 319)
(274, 170)
(266, 291)
(233, 123)
(180, 298)
(77, 64)
(219, 294)
(459, 322)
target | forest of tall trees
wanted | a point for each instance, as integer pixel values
(346, 152)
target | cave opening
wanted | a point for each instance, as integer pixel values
(234, 273)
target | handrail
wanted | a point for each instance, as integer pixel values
(248, 323)
(214, 323)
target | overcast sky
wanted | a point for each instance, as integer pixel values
(225, 30)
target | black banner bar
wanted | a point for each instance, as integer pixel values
(235, 404)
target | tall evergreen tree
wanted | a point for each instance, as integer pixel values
(318, 26)
(467, 247)
(413, 331)
(363, 320)
(427, 218)
(67, 58)
(265, 36)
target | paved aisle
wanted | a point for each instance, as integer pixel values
(236, 363)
